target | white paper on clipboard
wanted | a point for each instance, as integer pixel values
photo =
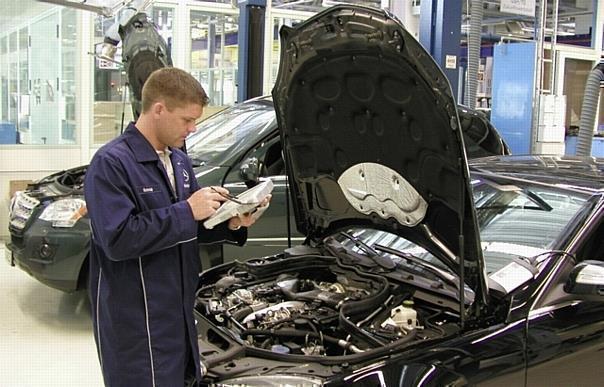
(250, 202)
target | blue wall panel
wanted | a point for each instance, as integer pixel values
(513, 89)
(439, 32)
(597, 146)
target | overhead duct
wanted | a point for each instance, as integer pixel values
(474, 51)
(589, 109)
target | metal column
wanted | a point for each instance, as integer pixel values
(251, 48)
(439, 32)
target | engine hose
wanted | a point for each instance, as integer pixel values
(288, 288)
(227, 355)
(376, 312)
(298, 333)
(352, 308)
(384, 351)
(356, 331)
(291, 264)
(241, 313)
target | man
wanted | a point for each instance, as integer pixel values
(145, 209)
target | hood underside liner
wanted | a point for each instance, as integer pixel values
(354, 87)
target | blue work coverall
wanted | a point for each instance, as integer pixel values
(144, 262)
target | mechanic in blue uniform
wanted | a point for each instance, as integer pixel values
(145, 209)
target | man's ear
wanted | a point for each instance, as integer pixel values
(158, 108)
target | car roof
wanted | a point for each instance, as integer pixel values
(578, 173)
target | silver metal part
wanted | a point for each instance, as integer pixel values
(276, 312)
(243, 295)
(374, 188)
(439, 243)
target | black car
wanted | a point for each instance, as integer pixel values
(50, 232)
(367, 306)
(419, 268)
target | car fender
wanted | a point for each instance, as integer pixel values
(413, 374)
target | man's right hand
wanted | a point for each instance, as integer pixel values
(206, 201)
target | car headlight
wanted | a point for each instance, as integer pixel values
(270, 381)
(64, 212)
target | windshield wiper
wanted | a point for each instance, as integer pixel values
(196, 162)
(376, 257)
(440, 273)
(533, 197)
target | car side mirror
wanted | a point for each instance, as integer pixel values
(586, 278)
(250, 171)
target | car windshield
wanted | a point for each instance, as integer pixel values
(522, 219)
(226, 128)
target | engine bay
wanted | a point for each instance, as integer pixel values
(314, 306)
(60, 184)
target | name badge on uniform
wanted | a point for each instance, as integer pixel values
(145, 189)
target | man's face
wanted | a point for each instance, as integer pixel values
(176, 124)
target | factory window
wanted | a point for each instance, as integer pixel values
(278, 22)
(37, 88)
(45, 67)
(4, 78)
(69, 58)
(214, 54)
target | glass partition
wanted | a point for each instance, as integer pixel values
(214, 54)
(4, 78)
(13, 83)
(69, 58)
(45, 68)
(279, 21)
(37, 72)
(23, 87)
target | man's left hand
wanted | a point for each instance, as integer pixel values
(246, 220)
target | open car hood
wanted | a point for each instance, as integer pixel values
(371, 136)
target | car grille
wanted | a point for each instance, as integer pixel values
(21, 208)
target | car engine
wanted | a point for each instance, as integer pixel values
(313, 306)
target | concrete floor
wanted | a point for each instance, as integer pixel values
(45, 335)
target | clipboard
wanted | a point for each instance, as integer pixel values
(249, 201)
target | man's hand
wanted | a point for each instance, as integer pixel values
(206, 201)
(246, 220)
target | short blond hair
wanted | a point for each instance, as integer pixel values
(176, 88)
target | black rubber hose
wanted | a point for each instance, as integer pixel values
(241, 313)
(267, 269)
(352, 308)
(296, 333)
(227, 355)
(385, 350)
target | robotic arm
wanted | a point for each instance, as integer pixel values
(143, 51)
(143, 48)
